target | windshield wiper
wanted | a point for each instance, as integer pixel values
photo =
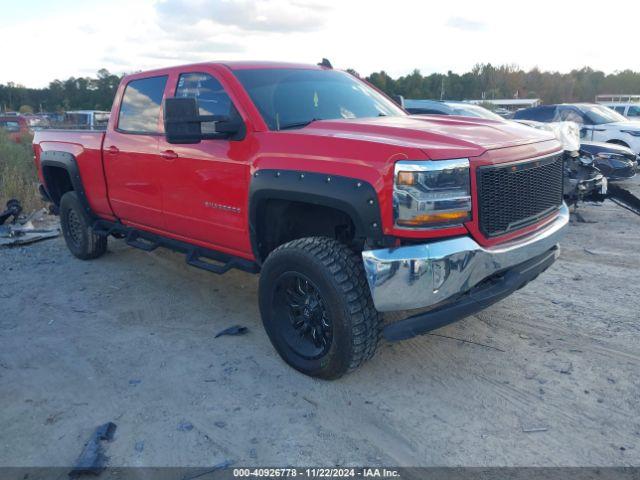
(298, 124)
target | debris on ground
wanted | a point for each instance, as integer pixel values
(534, 429)
(92, 460)
(235, 330)
(14, 209)
(23, 230)
(139, 446)
(185, 426)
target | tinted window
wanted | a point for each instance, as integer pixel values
(619, 109)
(140, 107)
(289, 98)
(634, 111)
(425, 111)
(211, 96)
(539, 114)
(570, 115)
(212, 99)
(10, 126)
(599, 114)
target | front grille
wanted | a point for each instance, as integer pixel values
(513, 196)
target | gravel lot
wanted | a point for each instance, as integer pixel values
(551, 377)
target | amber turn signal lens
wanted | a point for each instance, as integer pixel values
(434, 218)
(406, 178)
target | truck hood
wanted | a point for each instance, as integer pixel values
(438, 136)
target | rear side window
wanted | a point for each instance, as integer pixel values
(620, 109)
(140, 108)
(634, 111)
(10, 126)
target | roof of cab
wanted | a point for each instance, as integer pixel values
(249, 65)
(233, 65)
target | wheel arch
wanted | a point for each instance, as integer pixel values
(352, 198)
(61, 174)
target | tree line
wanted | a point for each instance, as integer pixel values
(484, 81)
(81, 93)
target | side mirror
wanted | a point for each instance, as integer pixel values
(183, 123)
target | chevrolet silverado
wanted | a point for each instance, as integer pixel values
(347, 206)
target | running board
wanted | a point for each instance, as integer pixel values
(200, 257)
(195, 259)
(135, 240)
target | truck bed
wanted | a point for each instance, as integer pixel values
(86, 148)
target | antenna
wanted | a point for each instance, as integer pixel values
(325, 63)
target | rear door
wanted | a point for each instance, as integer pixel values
(206, 185)
(132, 165)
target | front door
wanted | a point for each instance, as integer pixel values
(132, 166)
(205, 188)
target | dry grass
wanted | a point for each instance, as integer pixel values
(18, 176)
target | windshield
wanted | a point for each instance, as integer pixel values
(599, 114)
(292, 98)
(473, 111)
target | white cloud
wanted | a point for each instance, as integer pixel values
(465, 24)
(246, 15)
(366, 35)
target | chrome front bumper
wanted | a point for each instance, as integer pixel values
(423, 275)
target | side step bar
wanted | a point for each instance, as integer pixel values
(194, 258)
(134, 240)
(206, 259)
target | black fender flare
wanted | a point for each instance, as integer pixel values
(354, 197)
(68, 162)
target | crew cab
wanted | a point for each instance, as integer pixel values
(597, 122)
(347, 206)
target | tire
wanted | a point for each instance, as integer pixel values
(347, 326)
(81, 240)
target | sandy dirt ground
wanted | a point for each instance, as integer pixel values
(549, 376)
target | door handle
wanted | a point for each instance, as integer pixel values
(113, 150)
(168, 154)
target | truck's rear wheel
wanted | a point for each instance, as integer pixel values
(316, 307)
(81, 240)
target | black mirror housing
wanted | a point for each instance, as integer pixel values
(182, 122)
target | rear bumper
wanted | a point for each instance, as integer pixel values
(427, 275)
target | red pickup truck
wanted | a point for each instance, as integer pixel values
(346, 205)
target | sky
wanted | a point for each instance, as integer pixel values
(57, 39)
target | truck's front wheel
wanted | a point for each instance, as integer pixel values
(77, 230)
(316, 307)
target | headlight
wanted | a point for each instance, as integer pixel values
(635, 133)
(431, 194)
